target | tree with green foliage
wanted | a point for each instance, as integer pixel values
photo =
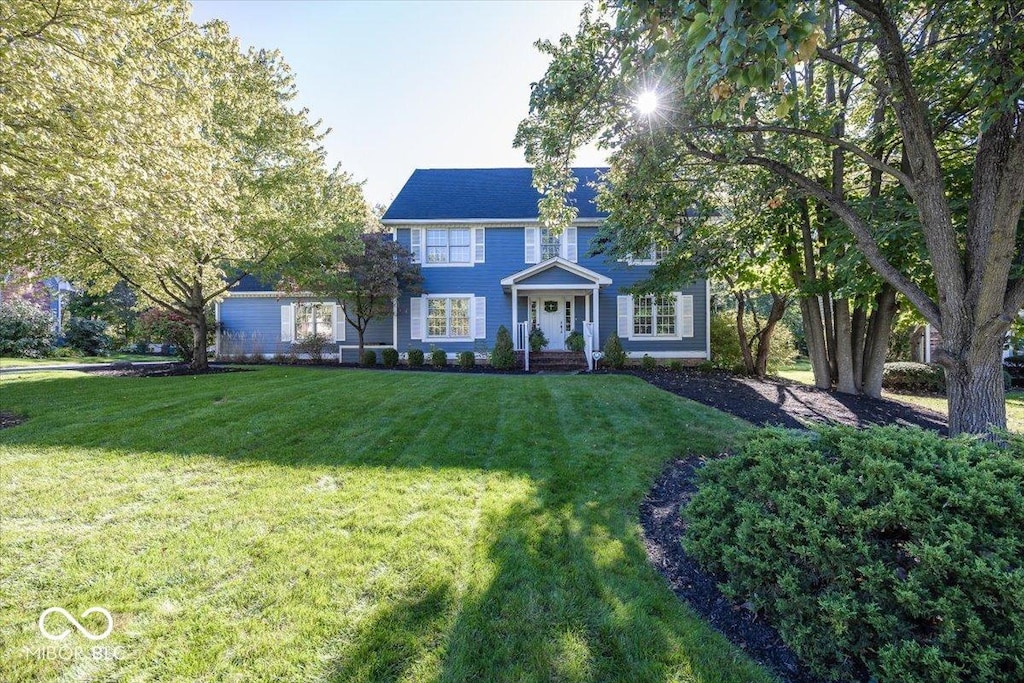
(865, 109)
(366, 279)
(503, 357)
(169, 159)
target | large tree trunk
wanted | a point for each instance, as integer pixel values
(764, 336)
(876, 343)
(859, 329)
(814, 333)
(974, 384)
(199, 333)
(844, 347)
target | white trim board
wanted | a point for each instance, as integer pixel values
(667, 354)
(557, 262)
(511, 222)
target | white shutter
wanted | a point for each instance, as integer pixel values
(416, 317)
(478, 245)
(339, 323)
(480, 317)
(532, 237)
(625, 306)
(287, 323)
(569, 251)
(686, 315)
(416, 244)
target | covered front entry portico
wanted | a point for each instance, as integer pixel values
(557, 297)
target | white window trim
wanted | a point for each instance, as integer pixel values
(568, 249)
(651, 260)
(335, 313)
(678, 336)
(426, 327)
(422, 247)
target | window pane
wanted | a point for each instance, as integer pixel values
(437, 254)
(459, 254)
(458, 238)
(323, 319)
(459, 317)
(437, 319)
(643, 315)
(568, 316)
(303, 321)
(549, 244)
(437, 238)
(666, 313)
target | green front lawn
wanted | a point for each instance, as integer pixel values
(18, 362)
(328, 525)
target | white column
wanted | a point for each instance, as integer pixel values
(515, 318)
(597, 317)
(216, 326)
(394, 324)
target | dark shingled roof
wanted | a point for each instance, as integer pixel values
(468, 193)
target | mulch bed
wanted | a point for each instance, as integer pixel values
(789, 404)
(161, 370)
(662, 530)
(10, 419)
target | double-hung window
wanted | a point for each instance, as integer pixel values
(550, 244)
(449, 245)
(654, 315)
(314, 317)
(448, 317)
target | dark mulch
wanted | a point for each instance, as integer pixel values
(662, 530)
(789, 404)
(479, 369)
(10, 419)
(161, 370)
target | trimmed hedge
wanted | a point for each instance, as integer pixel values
(890, 550)
(648, 362)
(389, 357)
(369, 358)
(906, 376)
(415, 358)
(467, 360)
(438, 358)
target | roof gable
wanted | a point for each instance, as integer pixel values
(483, 193)
(560, 264)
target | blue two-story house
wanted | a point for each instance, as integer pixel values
(487, 262)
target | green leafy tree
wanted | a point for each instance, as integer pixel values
(864, 109)
(170, 159)
(367, 277)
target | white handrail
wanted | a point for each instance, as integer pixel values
(523, 342)
(588, 338)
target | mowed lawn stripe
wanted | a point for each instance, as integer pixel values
(292, 523)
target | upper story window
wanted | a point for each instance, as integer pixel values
(542, 244)
(656, 254)
(448, 245)
(550, 244)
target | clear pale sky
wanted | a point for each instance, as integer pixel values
(408, 85)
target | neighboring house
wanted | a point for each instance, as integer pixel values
(487, 262)
(48, 295)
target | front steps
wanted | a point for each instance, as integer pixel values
(555, 361)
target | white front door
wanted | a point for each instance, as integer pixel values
(551, 315)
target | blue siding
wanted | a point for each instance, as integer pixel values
(505, 256)
(254, 326)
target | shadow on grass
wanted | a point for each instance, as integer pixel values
(556, 584)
